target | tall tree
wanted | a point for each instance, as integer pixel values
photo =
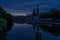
(7, 17)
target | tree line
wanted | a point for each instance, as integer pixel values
(53, 13)
(8, 17)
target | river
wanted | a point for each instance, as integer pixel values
(26, 32)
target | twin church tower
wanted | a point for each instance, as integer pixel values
(35, 11)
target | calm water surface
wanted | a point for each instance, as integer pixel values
(26, 32)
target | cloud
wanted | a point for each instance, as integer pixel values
(24, 5)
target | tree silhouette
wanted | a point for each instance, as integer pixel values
(7, 17)
(53, 13)
(54, 30)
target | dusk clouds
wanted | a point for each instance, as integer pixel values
(27, 5)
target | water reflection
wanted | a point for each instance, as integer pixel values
(54, 30)
(34, 27)
(38, 36)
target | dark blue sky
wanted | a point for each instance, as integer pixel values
(27, 5)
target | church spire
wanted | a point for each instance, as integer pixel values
(33, 12)
(37, 10)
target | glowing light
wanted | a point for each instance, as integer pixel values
(19, 14)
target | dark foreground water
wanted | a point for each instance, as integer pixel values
(26, 32)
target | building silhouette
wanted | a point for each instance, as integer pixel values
(35, 11)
